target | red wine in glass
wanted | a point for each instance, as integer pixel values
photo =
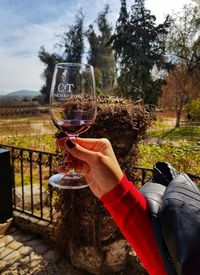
(73, 108)
(73, 126)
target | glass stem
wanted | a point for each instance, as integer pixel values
(72, 170)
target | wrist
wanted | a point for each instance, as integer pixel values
(118, 191)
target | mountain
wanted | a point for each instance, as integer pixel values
(23, 94)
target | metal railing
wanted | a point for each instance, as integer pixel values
(31, 169)
(30, 172)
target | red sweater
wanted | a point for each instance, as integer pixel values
(129, 210)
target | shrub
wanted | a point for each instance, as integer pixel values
(193, 109)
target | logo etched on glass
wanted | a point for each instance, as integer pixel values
(64, 89)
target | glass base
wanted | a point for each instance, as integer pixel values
(67, 181)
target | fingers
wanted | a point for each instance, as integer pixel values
(74, 153)
(61, 142)
(88, 143)
(92, 143)
(82, 153)
(87, 150)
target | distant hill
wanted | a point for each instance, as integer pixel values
(23, 94)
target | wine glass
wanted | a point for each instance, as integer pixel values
(73, 109)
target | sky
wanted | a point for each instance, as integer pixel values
(26, 25)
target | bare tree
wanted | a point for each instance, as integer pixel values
(183, 45)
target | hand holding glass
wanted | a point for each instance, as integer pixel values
(73, 109)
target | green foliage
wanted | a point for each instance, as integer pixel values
(100, 54)
(73, 40)
(185, 157)
(165, 132)
(94, 52)
(137, 46)
(193, 109)
(140, 46)
(44, 142)
(49, 60)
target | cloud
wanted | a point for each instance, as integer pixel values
(26, 25)
(162, 8)
(20, 42)
(19, 73)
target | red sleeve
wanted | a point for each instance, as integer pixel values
(128, 208)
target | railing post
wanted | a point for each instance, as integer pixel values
(6, 208)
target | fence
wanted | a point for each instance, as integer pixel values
(31, 169)
(31, 193)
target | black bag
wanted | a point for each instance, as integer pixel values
(174, 203)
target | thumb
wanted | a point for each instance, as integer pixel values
(79, 152)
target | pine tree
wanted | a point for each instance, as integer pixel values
(139, 46)
(73, 40)
(118, 40)
(101, 55)
(93, 57)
